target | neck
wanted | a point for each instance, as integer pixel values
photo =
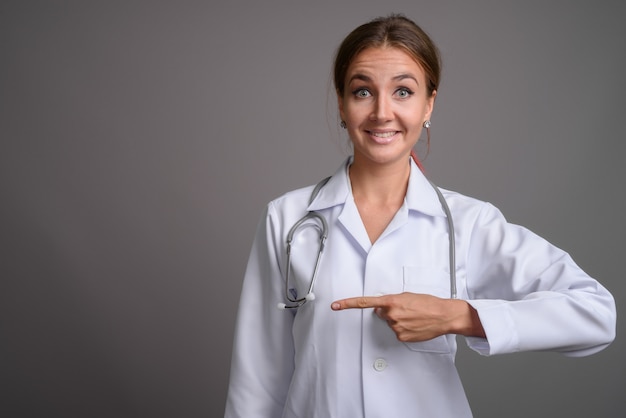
(382, 184)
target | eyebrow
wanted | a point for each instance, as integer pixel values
(399, 77)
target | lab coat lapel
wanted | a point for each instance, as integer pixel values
(351, 221)
(337, 192)
(401, 218)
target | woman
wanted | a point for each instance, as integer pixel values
(376, 335)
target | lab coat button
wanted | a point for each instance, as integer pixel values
(380, 364)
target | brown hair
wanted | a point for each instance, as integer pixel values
(395, 31)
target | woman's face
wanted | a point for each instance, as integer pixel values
(384, 105)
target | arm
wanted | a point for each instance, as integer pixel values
(262, 358)
(532, 296)
(524, 294)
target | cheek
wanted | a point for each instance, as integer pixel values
(417, 114)
(352, 113)
(359, 108)
(412, 119)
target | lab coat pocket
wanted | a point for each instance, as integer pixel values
(426, 280)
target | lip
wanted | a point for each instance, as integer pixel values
(383, 137)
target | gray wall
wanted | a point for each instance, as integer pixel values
(141, 139)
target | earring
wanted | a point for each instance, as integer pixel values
(427, 124)
(343, 124)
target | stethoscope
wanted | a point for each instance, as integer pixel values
(322, 228)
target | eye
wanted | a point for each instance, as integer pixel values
(404, 92)
(361, 93)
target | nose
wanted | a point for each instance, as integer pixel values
(382, 111)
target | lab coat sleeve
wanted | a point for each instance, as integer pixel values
(262, 359)
(530, 295)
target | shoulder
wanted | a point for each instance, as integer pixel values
(294, 198)
(325, 193)
(472, 215)
(462, 204)
(290, 206)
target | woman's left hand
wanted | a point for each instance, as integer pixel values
(419, 317)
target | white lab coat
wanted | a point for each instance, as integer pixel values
(317, 363)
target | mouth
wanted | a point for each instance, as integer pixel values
(383, 137)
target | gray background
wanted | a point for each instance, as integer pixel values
(141, 139)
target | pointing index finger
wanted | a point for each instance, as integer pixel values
(360, 302)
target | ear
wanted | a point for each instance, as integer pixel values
(340, 106)
(431, 105)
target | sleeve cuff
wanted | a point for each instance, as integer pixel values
(499, 327)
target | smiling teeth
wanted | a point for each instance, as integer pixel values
(384, 134)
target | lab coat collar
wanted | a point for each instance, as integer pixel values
(336, 191)
(420, 195)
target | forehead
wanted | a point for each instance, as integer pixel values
(384, 61)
